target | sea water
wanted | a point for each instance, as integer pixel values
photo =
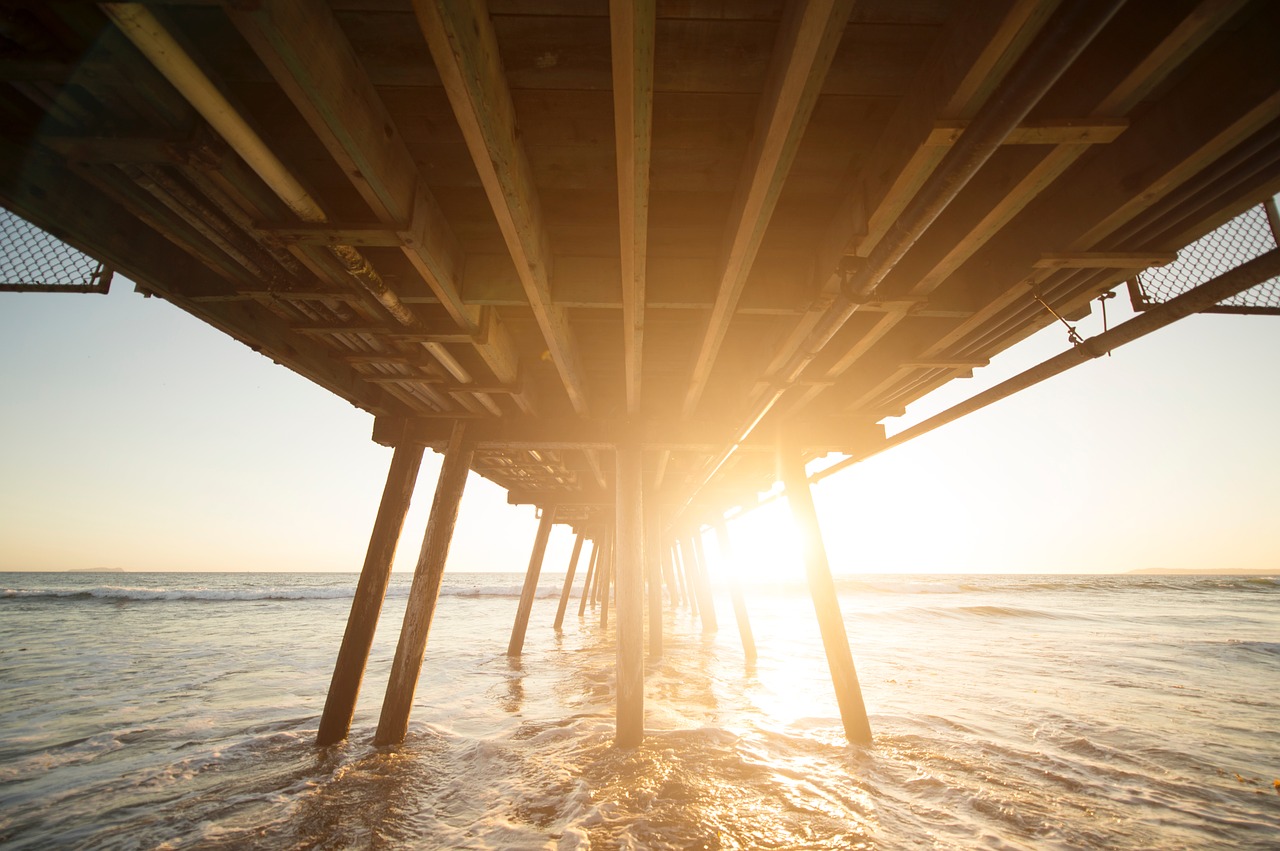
(178, 711)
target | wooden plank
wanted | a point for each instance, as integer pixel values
(357, 640)
(393, 722)
(1106, 260)
(465, 50)
(1085, 131)
(632, 33)
(700, 435)
(803, 55)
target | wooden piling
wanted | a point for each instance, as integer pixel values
(530, 590)
(606, 575)
(735, 592)
(702, 584)
(591, 575)
(682, 571)
(629, 561)
(568, 582)
(669, 577)
(425, 590)
(823, 590)
(653, 575)
(371, 590)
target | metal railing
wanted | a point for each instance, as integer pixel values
(33, 260)
(1249, 235)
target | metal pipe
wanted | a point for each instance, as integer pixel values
(154, 41)
(1065, 38)
(1195, 300)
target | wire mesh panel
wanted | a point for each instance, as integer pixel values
(1245, 237)
(32, 260)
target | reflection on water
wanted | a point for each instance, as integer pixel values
(1008, 713)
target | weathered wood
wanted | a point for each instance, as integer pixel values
(371, 590)
(568, 582)
(669, 577)
(653, 574)
(697, 564)
(465, 50)
(588, 586)
(810, 35)
(606, 576)
(632, 24)
(530, 589)
(735, 591)
(393, 723)
(629, 552)
(853, 713)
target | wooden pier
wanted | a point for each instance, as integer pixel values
(635, 260)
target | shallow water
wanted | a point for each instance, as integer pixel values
(177, 711)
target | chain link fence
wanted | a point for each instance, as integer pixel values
(1245, 237)
(32, 260)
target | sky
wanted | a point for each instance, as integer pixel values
(134, 436)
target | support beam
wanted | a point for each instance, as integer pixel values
(701, 583)
(425, 590)
(735, 591)
(632, 24)
(588, 586)
(669, 577)
(371, 590)
(568, 582)
(464, 46)
(630, 561)
(806, 45)
(653, 575)
(827, 606)
(530, 589)
(606, 575)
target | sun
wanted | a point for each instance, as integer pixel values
(766, 548)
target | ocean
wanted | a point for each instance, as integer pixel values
(177, 710)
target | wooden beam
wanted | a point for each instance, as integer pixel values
(806, 45)
(588, 584)
(844, 676)
(341, 105)
(516, 645)
(393, 723)
(513, 432)
(632, 24)
(735, 591)
(697, 568)
(1136, 260)
(371, 590)
(630, 559)
(1084, 131)
(653, 572)
(568, 582)
(464, 47)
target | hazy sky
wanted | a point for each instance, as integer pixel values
(135, 436)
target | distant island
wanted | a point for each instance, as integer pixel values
(1191, 571)
(95, 570)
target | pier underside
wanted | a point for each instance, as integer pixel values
(635, 261)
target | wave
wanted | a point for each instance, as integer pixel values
(111, 593)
